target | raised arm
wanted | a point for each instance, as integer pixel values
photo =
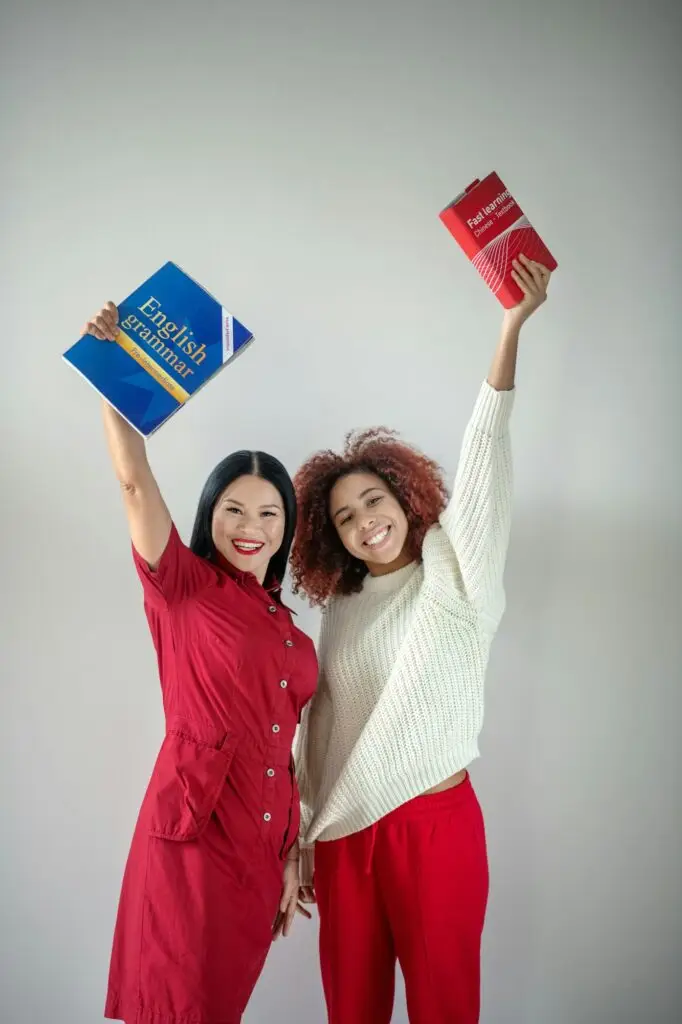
(148, 518)
(478, 517)
(533, 280)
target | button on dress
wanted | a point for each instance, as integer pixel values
(204, 875)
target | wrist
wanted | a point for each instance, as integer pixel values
(294, 853)
(512, 323)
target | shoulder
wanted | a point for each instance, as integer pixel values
(436, 544)
(337, 618)
(442, 573)
(339, 604)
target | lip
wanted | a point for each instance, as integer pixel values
(250, 551)
(382, 543)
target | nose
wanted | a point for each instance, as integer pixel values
(367, 523)
(252, 523)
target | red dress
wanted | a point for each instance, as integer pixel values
(204, 874)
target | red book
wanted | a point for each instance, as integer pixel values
(492, 229)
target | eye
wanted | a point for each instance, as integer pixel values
(345, 519)
(375, 500)
(269, 512)
(231, 508)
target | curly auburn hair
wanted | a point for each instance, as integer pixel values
(320, 565)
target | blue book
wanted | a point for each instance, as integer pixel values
(173, 338)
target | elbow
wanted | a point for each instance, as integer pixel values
(132, 479)
(130, 487)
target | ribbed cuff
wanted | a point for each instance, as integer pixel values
(492, 410)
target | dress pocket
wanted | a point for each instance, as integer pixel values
(187, 780)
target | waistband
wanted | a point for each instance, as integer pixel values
(431, 803)
(425, 806)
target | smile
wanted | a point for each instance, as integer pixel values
(378, 538)
(248, 547)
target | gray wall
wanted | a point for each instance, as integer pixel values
(294, 157)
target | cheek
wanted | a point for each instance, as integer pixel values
(349, 540)
(400, 520)
(275, 532)
(404, 528)
(216, 527)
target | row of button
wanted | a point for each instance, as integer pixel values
(272, 609)
(283, 683)
(270, 774)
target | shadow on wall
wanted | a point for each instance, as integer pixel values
(581, 757)
(581, 753)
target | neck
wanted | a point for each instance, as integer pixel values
(378, 569)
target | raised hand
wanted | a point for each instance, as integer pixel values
(104, 324)
(533, 280)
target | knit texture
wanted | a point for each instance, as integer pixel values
(399, 705)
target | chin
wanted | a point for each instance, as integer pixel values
(244, 563)
(382, 557)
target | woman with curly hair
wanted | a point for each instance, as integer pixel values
(412, 590)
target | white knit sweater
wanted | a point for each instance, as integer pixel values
(399, 706)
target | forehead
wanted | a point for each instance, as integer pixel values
(350, 489)
(252, 490)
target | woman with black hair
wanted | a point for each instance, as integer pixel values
(212, 873)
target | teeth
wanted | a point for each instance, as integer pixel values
(246, 546)
(377, 539)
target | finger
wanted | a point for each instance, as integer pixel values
(285, 901)
(277, 926)
(521, 283)
(525, 276)
(289, 893)
(110, 319)
(537, 272)
(103, 326)
(112, 313)
(294, 909)
(289, 918)
(534, 263)
(546, 276)
(92, 328)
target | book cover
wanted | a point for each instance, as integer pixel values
(173, 338)
(492, 229)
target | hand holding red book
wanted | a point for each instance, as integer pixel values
(492, 229)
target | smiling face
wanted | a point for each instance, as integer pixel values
(248, 524)
(370, 522)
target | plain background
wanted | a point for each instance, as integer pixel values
(293, 157)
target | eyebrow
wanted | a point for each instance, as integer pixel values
(363, 494)
(234, 501)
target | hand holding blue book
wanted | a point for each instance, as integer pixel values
(173, 338)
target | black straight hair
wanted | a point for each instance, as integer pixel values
(246, 463)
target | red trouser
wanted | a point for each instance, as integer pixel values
(414, 888)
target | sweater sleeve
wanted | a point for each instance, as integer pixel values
(477, 519)
(312, 742)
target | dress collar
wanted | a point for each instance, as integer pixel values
(273, 591)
